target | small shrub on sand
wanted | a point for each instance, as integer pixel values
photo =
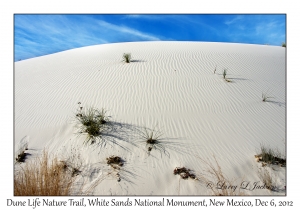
(115, 162)
(43, 177)
(184, 173)
(92, 122)
(127, 57)
(270, 156)
(21, 156)
(283, 44)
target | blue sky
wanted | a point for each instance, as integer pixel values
(36, 35)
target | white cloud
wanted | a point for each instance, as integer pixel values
(124, 29)
(147, 17)
(234, 20)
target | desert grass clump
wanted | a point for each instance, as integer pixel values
(153, 140)
(270, 156)
(43, 177)
(92, 122)
(283, 44)
(127, 57)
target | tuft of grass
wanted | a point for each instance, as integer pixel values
(153, 140)
(92, 122)
(270, 156)
(283, 44)
(43, 178)
(127, 57)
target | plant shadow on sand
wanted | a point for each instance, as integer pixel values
(234, 78)
(137, 61)
(120, 175)
(114, 134)
(231, 79)
(276, 103)
(119, 134)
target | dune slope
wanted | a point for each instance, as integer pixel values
(174, 87)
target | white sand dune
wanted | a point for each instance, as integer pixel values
(170, 86)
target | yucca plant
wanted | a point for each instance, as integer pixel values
(153, 140)
(224, 73)
(91, 122)
(127, 57)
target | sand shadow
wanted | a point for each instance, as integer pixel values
(276, 103)
(122, 175)
(234, 78)
(114, 134)
(119, 134)
(137, 61)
